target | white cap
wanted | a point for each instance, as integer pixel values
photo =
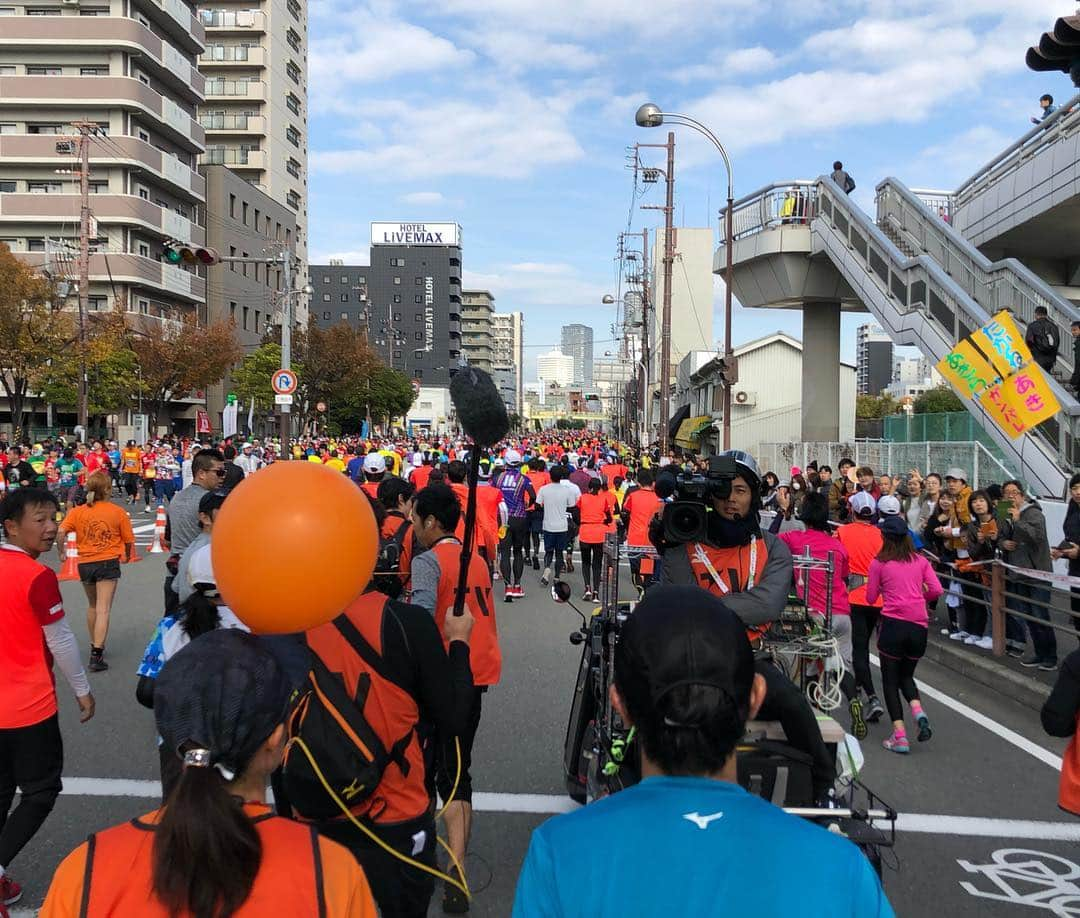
(512, 457)
(417, 458)
(889, 506)
(200, 569)
(374, 464)
(862, 501)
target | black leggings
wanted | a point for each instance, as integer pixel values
(864, 620)
(592, 562)
(901, 644)
(517, 533)
(32, 760)
(534, 543)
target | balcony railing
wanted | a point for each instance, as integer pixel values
(233, 19)
(218, 156)
(228, 122)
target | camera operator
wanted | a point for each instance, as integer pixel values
(685, 680)
(752, 572)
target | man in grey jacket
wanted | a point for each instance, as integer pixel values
(1024, 543)
(751, 571)
(182, 526)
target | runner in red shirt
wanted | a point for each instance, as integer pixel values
(638, 510)
(35, 635)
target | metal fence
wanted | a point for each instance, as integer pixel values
(886, 457)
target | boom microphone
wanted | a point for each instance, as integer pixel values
(479, 405)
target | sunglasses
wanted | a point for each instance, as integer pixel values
(219, 472)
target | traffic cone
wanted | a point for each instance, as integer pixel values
(158, 548)
(70, 568)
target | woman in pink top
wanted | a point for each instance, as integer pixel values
(814, 514)
(906, 583)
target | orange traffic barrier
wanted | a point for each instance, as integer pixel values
(70, 568)
(158, 547)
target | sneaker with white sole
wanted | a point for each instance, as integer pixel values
(959, 636)
(972, 639)
(10, 891)
(873, 711)
(545, 578)
(985, 643)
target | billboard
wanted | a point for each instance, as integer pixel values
(415, 234)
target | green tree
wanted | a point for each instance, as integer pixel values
(937, 400)
(33, 331)
(875, 406)
(516, 421)
(112, 382)
(251, 379)
(384, 392)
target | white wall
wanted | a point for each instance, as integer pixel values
(691, 293)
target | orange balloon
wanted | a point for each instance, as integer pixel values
(292, 546)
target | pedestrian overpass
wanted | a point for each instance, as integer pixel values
(931, 267)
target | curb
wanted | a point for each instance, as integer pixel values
(989, 672)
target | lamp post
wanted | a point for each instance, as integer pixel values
(286, 340)
(650, 115)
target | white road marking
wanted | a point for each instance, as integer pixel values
(550, 804)
(1010, 736)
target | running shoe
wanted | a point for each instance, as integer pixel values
(896, 744)
(508, 596)
(873, 710)
(587, 596)
(1014, 650)
(1048, 666)
(10, 891)
(1030, 661)
(924, 728)
(454, 902)
(959, 636)
(545, 578)
(519, 591)
(986, 642)
(496, 576)
(569, 564)
(536, 564)
(972, 639)
(97, 664)
(858, 724)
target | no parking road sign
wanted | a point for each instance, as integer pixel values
(284, 382)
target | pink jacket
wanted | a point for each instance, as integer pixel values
(905, 587)
(820, 546)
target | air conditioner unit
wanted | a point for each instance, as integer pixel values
(742, 397)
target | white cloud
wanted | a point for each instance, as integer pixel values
(749, 60)
(514, 52)
(508, 136)
(555, 286)
(424, 197)
(946, 164)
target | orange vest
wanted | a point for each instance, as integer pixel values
(119, 869)
(371, 489)
(733, 567)
(389, 708)
(484, 653)
(132, 461)
(484, 533)
(1069, 789)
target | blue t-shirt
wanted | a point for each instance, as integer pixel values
(355, 468)
(692, 846)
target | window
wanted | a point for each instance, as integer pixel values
(419, 317)
(144, 307)
(344, 317)
(7, 127)
(258, 319)
(326, 316)
(232, 254)
(326, 278)
(7, 187)
(397, 263)
(292, 135)
(397, 355)
(99, 187)
(144, 136)
(243, 212)
(326, 297)
(256, 223)
(293, 200)
(397, 297)
(43, 187)
(94, 11)
(293, 39)
(7, 11)
(35, 245)
(44, 129)
(344, 297)
(419, 336)
(143, 78)
(144, 250)
(293, 103)
(294, 8)
(93, 71)
(44, 70)
(293, 71)
(246, 310)
(362, 281)
(232, 310)
(397, 316)
(292, 167)
(232, 206)
(97, 303)
(44, 12)
(7, 70)
(418, 298)
(397, 281)
(419, 281)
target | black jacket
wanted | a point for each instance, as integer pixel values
(1060, 710)
(1043, 338)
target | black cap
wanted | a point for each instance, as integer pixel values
(211, 501)
(895, 526)
(683, 635)
(225, 692)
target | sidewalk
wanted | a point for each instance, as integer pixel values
(1030, 687)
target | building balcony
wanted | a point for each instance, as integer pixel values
(71, 92)
(128, 268)
(235, 159)
(231, 57)
(177, 20)
(218, 125)
(243, 22)
(123, 209)
(109, 32)
(36, 149)
(251, 90)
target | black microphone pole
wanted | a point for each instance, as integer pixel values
(470, 528)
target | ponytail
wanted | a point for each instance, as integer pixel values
(206, 852)
(200, 615)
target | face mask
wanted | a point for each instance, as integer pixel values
(795, 486)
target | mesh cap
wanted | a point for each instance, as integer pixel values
(863, 503)
(889, 506)
(224, 692)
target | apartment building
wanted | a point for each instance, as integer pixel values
(255, 114)
(508, 357)
(126, 70)
(477, 336)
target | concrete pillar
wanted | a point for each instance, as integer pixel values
(821, 372)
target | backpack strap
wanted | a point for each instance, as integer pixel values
(88, 870)
(316, 859)
(360, 644)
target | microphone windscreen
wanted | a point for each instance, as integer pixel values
(479, 405)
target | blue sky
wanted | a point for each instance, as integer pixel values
(512, 118)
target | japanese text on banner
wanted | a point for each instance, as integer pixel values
(967, 370)
(1002, 342)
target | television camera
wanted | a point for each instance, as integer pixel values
(684, 519)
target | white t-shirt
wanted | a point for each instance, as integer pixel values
(557, 498)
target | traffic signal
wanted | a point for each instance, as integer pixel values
(175, 253)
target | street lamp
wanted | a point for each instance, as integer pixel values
(650, 115)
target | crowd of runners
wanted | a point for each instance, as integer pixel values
(416, 677)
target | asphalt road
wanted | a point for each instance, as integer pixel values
(988, 760)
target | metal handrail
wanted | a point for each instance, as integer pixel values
(1008, 283)
(1045, 132)
(758, 210)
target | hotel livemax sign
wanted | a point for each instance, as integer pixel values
(415, 234)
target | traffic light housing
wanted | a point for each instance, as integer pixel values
(177, 253)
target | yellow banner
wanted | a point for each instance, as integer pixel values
(1001, 341)
(1021, 401)
(967, 370)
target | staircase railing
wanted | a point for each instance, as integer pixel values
(772, 205)
(1006, 284)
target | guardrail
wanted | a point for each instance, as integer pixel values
(772, 205)
(1048, 132)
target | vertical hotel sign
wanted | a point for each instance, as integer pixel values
(429, 314)
(993, 367)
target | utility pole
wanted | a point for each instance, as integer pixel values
(665, 328)
(84, 128)
(286, 347)
(643, 388)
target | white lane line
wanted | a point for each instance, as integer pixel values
(1010, 736)
(550, 804)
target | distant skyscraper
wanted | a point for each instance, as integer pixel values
(873, 359)
(577, 342)
(508, 357)
(555, 367)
